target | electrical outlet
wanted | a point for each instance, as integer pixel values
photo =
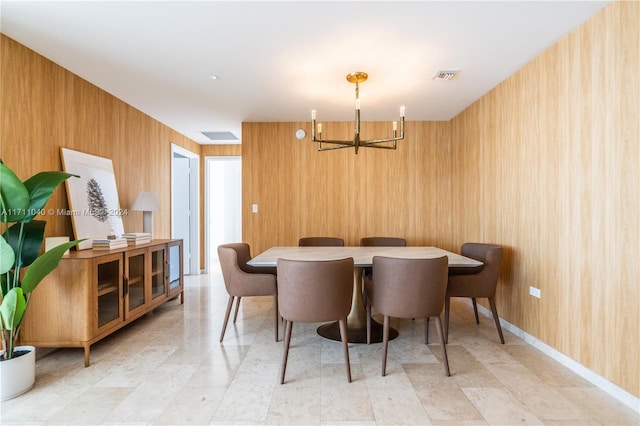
(533, 291)
(254, 208)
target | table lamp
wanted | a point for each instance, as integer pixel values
(146, 202)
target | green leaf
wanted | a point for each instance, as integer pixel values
(6, 256)
(12, 308)
(6, 281)
(32, 237)
(43, 265)
(41, 186)
(14, 196)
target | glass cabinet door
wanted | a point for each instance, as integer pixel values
(158, 283)
(174, 266)
(135, 297)
(109, 301)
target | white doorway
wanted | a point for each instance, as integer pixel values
(223, 204)
(185, 199)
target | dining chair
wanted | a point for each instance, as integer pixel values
(476, 282)
(242, 280)
(380, 242)
(383, 242)
(407, 288)
(315, 291)
(244, 256)
(321, 242)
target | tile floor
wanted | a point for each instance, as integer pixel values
(169, 368)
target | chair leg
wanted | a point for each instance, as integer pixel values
(385, 344)
(276, 316)
(345, 346)
(226, 317)
(492, 302)
(368, 309)
(285, 353)
(426, 330)
(445, 359)
(475, 309)
(447, 305)
(235, 315)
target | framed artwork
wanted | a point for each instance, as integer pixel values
(93, 198)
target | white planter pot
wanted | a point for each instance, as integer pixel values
(17, 375)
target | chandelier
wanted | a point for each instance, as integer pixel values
(329, 144)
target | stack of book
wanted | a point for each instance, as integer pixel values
(136, 238)
(109, 244)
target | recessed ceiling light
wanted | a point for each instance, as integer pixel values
(214, 77)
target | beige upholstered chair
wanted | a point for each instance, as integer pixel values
(321, 242)
(315, 291)
(476, 282)
(407, 288)
(243, 280)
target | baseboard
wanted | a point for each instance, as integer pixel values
(612, 389)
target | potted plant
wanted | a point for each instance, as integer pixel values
(22, 267)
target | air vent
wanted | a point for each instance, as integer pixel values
(220, 136)
(445, 74)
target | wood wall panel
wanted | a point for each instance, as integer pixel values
(228, 150)
(303, 192)
(557, 182)
(45, 108)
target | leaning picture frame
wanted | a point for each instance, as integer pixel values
(94, 207)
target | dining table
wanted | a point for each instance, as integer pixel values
(362, 258)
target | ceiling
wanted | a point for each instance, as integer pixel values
(278, 60)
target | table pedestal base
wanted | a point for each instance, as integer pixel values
(355, 334)
(357, 319)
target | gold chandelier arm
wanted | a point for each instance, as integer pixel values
(376, 141)
(350, 144)
(325, 148)
(371, 145)
(334, 142)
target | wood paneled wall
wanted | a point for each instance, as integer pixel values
(548, 164)
(302, 192)
(45, 107)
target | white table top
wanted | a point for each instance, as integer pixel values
(362, 256)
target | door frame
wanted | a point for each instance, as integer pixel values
(194, 207)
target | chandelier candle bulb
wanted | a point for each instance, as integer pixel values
(395, 126)
(319, 128)
(401, 111)
(313, 114)
(357, 103)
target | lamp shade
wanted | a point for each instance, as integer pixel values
(146, 202)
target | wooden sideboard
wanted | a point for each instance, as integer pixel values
(93, 293)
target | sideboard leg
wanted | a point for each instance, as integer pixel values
(86, 355)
